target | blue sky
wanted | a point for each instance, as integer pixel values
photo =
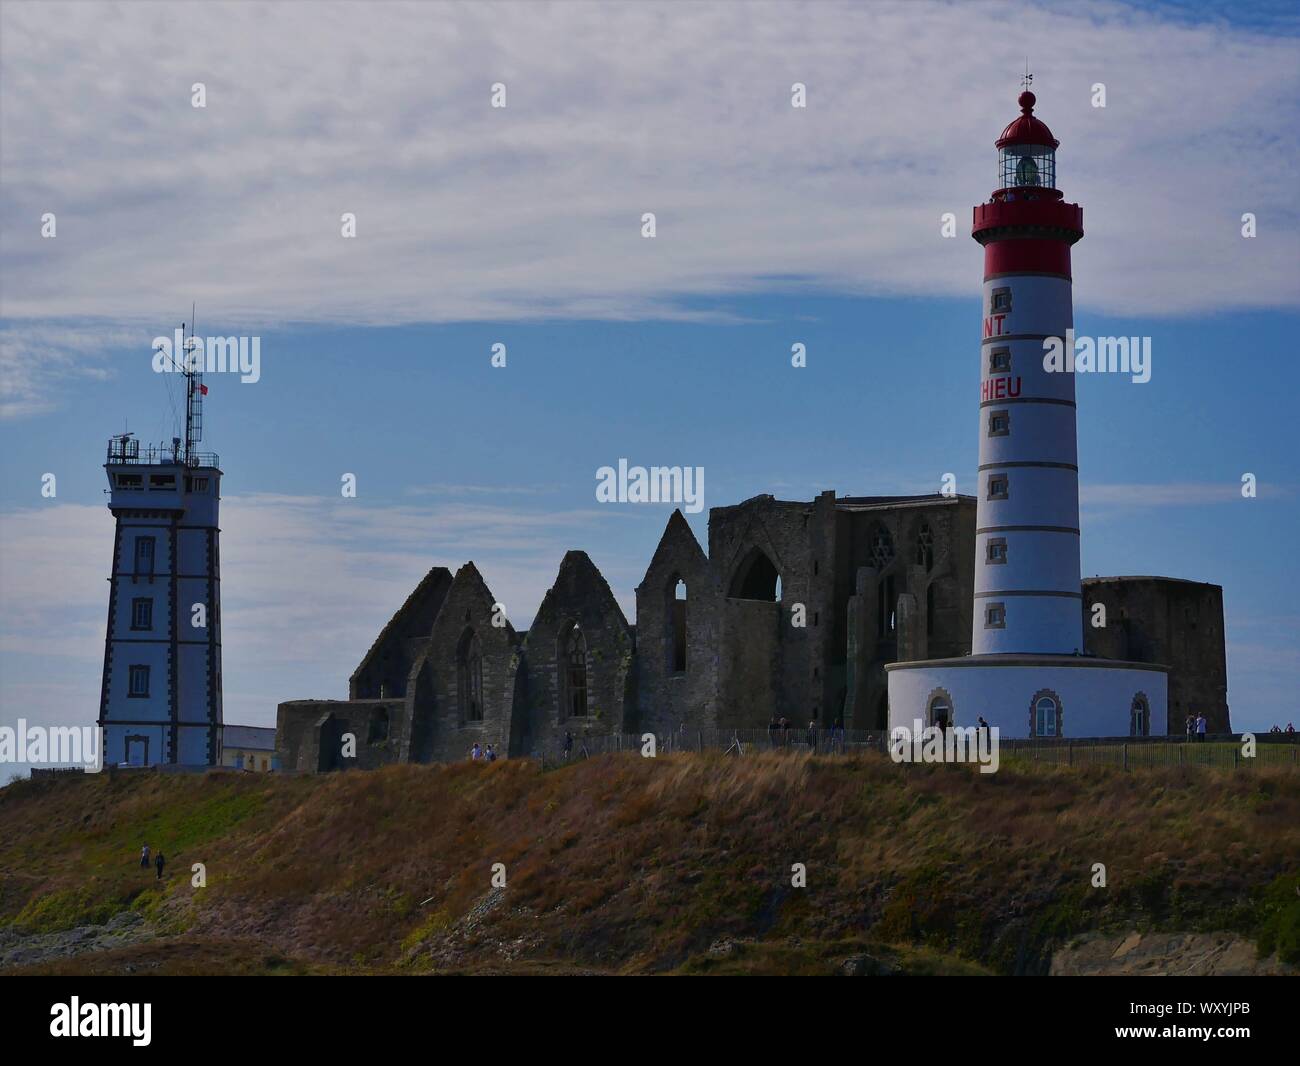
(522, 227)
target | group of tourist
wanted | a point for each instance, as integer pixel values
(778, 733)
(159, 861)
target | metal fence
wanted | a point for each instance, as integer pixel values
(1222, 751)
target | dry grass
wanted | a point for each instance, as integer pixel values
(629, 864)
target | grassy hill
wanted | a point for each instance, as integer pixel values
(628, 865)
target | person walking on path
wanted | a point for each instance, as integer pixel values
(158, 862)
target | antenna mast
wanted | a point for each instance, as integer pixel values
(194, 392)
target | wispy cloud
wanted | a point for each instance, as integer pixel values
(307, 582)
(38, 358)
(1174, 494)
(466, 212)
(483, 490)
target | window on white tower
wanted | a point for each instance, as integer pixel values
(138, 681)
(1047, 717)
(142, 613)
(144, 555)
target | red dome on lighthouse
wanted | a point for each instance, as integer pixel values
(1026, 129)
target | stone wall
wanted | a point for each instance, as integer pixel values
(579, 598)
(766, 660)
(385, 669)
(452, 706)
(667, 696)
(310, 734)
(1170, 621)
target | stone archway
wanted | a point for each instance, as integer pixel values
(940, 711)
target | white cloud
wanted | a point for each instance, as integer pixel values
(469, 212)
(1171, 494)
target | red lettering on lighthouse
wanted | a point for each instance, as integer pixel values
(993, 325)
(999, 389)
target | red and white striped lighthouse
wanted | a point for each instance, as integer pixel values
(1028, 673)
(1027, 594)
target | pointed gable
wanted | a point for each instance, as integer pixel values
(389, 659)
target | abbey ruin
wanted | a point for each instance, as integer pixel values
(794, 611)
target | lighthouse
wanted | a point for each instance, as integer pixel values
(1028, 673)
(160, 700)
(1027, 591)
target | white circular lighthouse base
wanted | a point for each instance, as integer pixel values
(1096, 697)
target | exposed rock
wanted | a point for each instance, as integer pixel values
(868, 966)
(1169, 954)
(18, 948)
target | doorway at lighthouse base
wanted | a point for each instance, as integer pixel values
(1032, 695)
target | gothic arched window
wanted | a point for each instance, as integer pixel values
(677, 625)
(574, 664)
(469, 677)
(882, 548)
(756, 578)
(925, 548)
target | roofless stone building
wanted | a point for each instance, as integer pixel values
(880, 579)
